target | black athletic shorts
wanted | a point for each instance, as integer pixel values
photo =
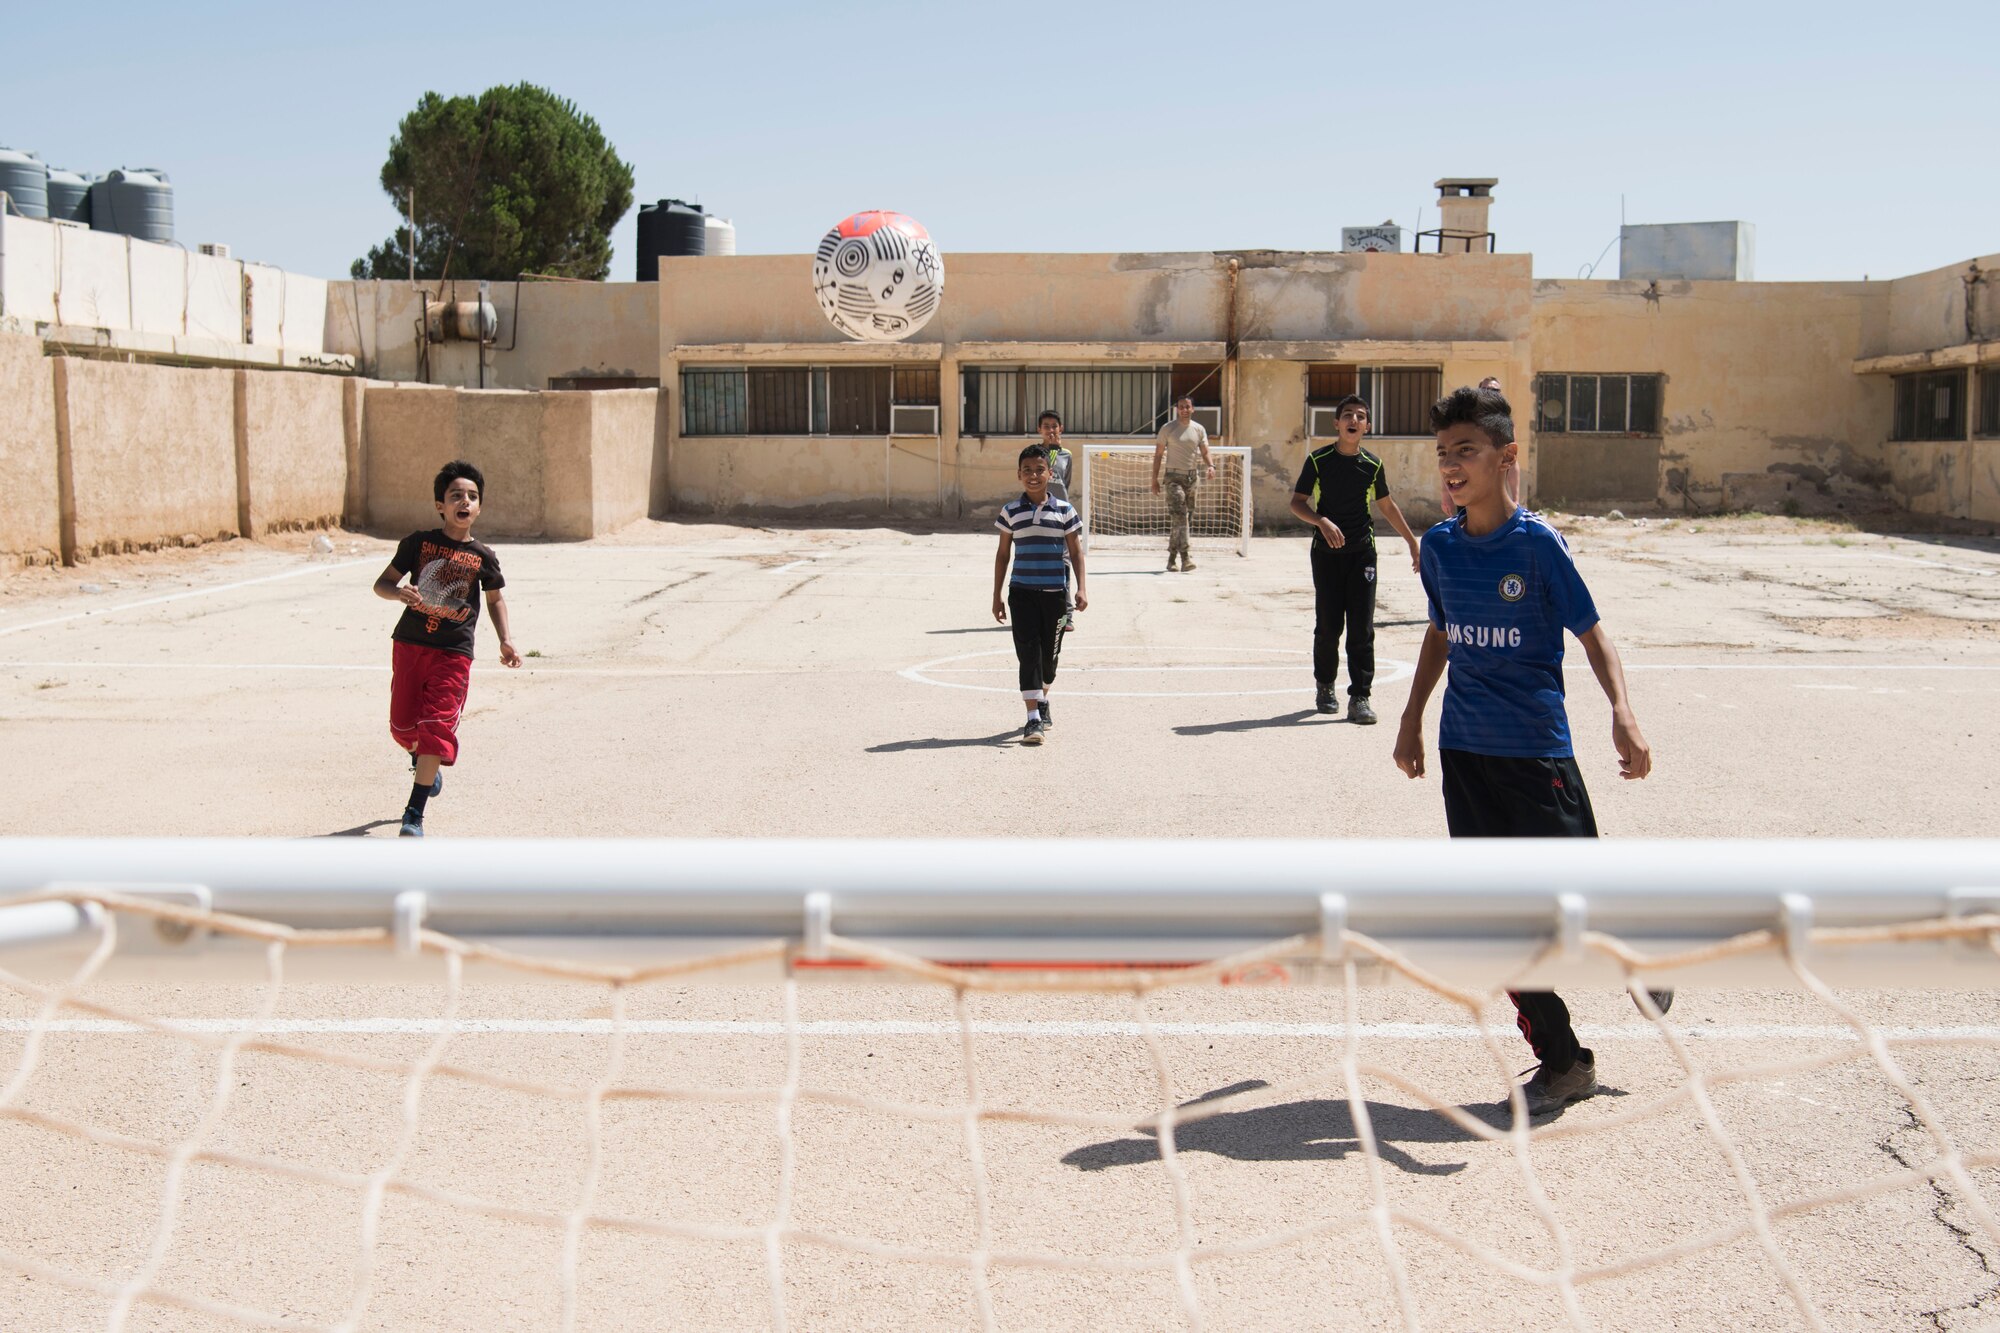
(1505, 796)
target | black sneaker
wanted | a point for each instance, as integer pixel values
(1546, 1095)
(1048, 720)
(1324, 701)
(413, 824)
(1032, 733)
(1361, 711)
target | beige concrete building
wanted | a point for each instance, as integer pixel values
(735, 397)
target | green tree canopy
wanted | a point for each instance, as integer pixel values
(514, 181)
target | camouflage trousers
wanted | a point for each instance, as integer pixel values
(1179, 488)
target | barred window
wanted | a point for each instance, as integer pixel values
(1399, 397)
(801, 400)
(1989, 402)
(1930, 406)
(1575, 404)
(1093, 400)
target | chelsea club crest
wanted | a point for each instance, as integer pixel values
(1513, 588)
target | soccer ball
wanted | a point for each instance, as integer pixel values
(878, 276)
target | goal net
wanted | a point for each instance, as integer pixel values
(898, 1085)
(1121, 512)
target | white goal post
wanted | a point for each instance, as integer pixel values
(1120, 511)
(1526, 918)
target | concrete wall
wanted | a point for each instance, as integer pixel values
(548, 331)
(566, 465)
(291, 440)
(74, 278)
(151, 455)
(30, 503)
(1761, 407)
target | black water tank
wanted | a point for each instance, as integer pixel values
(671, 229)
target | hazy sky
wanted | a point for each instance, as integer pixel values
(1858, 138)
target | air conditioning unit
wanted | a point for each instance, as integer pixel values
(1322, 423)
(912, 419)
(214, 249)
(1210, 419)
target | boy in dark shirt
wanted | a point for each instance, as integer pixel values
(432, 654)
(1502, 589)
(1335, 490)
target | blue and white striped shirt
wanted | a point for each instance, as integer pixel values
(1040, 532)
(1503, 601)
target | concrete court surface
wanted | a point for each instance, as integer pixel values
(1794, 680)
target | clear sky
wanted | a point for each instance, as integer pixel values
(1858, 138)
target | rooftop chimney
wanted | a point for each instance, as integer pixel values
(1463, 202)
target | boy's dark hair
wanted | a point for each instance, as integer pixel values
(457, 469)
(1032, 451)
(1048, 414)
(1184, 398)
(1484, 408)
(1353, 400)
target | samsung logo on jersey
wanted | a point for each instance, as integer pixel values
(1484, 636)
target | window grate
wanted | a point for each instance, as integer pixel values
(801, 400)
(1007, 400)
(1929, 406)
(1989, 402)
(1595, 404)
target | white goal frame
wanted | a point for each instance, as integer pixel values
(1084, 451)
(1523, 920)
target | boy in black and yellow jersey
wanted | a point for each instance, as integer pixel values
(1337, 487)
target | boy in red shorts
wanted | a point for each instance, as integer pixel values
(432, 657)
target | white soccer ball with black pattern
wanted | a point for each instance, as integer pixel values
(878, 276)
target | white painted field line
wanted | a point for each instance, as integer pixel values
(914, 1028)
(100, 611)
(484, 669)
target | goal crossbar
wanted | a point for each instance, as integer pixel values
(1520, 913)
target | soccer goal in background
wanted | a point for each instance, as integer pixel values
(1121, 512)
(189, 1120)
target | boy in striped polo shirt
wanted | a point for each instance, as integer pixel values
(1036, 530)
(1502, 588)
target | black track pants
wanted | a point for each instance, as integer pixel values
(1034, 614)
(1344, 600)
(1503, 796)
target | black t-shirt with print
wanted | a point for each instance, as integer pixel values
(1344, 488)
(449, 576)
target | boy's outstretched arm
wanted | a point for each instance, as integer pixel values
(496, 606)
(1410, 736)
(1076, 563)
(1635, 757)
(389, 586)
(1394, 513)
(1000, 578)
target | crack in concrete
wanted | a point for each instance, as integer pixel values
(678, 583)
(1942, 1201)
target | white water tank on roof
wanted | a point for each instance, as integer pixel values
(720, 234)
(25, 180)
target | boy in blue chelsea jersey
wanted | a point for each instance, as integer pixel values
(1502, 589)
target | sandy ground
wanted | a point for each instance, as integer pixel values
(1795, 679)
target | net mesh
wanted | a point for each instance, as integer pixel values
(1123, 512)
(1395, 1246)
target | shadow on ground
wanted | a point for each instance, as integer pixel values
(1319, 1130)
(944, 742)
(361, 830)
(1248, 723)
